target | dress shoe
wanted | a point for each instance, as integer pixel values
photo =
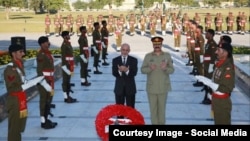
(206, 101)
(89, 70)
(49, 124)
(198, 84)
(105, 64)
(70, 100)
(189, 64)
(97, 72)
(85, 84)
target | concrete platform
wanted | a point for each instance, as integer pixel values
(76, 122)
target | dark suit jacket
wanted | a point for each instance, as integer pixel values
(125, 81)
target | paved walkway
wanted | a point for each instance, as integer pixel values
(76, 122)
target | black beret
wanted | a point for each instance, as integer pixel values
(15, 47)
(228, 47)
(157, 40)
(227, 39)
(65, 33)
(42, 39)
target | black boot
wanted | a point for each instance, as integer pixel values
(70, 99)
(105, 63)
(86, 83)
(48, 124)
(97, 71)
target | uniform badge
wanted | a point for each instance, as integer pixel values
(227, 76)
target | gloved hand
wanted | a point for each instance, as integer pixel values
(66, 70)
(95, 50)
(201, 59)
(211, 68)
(103, 45)
(207, 82)
(83, 58)
(32, 82)
(46, 86)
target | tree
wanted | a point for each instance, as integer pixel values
(35, 5)
(53, 5)
(11, 3)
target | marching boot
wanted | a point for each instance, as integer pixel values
(85, 82)
(69, 99)
(97, 71)
(48, 124)
(206, 99)
(190, 63)
(105, 63)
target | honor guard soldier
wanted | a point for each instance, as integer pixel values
(90, 22)
(230, 23)
(193, 28)
(45, 67)
(198, 54)
(16, 102)
(208, 62)
(61, 20)
(177, 35)
(110, 24)
(78, 25)
(238, 22)
(47, 25)
(152, 25)
(99, 20)
(243, 20)
(197, 19)
(84, 55)
(97, 47)
(118, 36)
(188, 43)
(143, 24)
(57, 25)
(105, 41)
(132, 23)
(173, 19)
(185, 20)
(163, 25)
(208, 22)
(122, 22)
(222, 84)
(69, 23)
(219, 23)
(67, 67)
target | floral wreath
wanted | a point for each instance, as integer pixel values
(105, 118)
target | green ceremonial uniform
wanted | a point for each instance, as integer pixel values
(209, 58)
(198, 51)
(97, 43)
(45, 67)
(158, 84)
(14, 78)
(224, 76)
(105, 35)
(84, 50)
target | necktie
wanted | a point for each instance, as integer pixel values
(124, 60)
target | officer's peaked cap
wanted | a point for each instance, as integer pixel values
(228, 47)
(15, 47)
(42, 39)
(157, 39)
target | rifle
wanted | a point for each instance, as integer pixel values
(48, 107)
(208, 91)
(69, 85)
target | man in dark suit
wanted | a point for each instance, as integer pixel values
(124, 68)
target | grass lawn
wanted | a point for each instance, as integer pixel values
(31, 22)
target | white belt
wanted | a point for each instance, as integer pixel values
(98, 41)
(46, 73)
(106, 37)
(192, 41)
(85, 48)
(207, 58)
(69, 58)
(197, 48)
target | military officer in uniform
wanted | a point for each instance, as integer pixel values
(14, 77)
(45, 67)
(230, 22)
(61, 21)
(222, 84)
(57, 25)
(209, 59)
(185, 20)
(157, 65)
(118, 36)
(79, 23)
(219, 23)
(243, 21)
(97, 47)
(67, 67)
(197, 19)
(208, 22)
(163, 24)
(238, 22)
(84, 55)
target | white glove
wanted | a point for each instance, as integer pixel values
(84, 59)
(95, 50)
(66, 70)
(32, 82)
(201, 58)
(103, 45)
(46, 86)
(207, 82)
(26, 86)
(211, 68)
